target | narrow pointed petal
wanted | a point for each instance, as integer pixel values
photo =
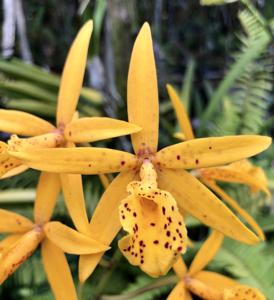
(215, 280)
(231, 202)
(7, 162)
(72, 241)
(208, 152)
(58, 272)
(178, 292)
(203, 291)
(12, 222)
(77, 160)
(105, 222)
(142, 97)
(206, 253)
(73, 75)
(75, 202)
(243, 292)
(180, 268)
(97, 128)
(48, 140)
(239, 172)
(47, 192)
(181, 114)
(200, 202)
(179, 136)
(19, 252)
(8, 242)
(13, 172)
(104, 180)
(22, 123)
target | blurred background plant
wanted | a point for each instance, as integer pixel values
(220, 59)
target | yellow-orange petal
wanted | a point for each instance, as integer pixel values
(180, 268)
(203, 291)
(75, 202)
(215, 280)
(58, 272)
(8, 242)
(181, 114)
(214, 151)
(179, 292)
(13, 172)
(156, 230)
(104, 180)
(47, 192)
(72, 241)
(77, 160)
(239, 172)
(97, 128)
(200, 202)
(179, 136)
(14, 256)
(13, 222)
(7, 162)
(231, 202)
(142, 92)
(48, 140)
(243, 292)
(22, 123)
(206, 253)
(105, 223)
(73, 75)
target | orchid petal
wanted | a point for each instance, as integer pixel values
(12, 222)
(7, 162)
(179, 292)
(239, 172)
(142, 98)
(206, 253)
(200, 202)
(8, 242)
(97, 128)
(14, 256)
(13, 172)
(104, 180)
(203, 291)
(75, 202)
(243, 292)
(208, 152)
(157, 234)
(247, 217)
(73, 75)
(215, 280)
(48, 140)
(180, 268)
(47, 192)
(22, 123)
(58, 272)
(181, 114)
(72, 241)
(77, 160)
(105, 223)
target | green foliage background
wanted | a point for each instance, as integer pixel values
(220, 59)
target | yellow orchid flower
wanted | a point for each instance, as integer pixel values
(69, 128)
(209, 285)
(24, 236)
(242, 171)
(153, 179)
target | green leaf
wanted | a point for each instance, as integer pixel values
(259, 38)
